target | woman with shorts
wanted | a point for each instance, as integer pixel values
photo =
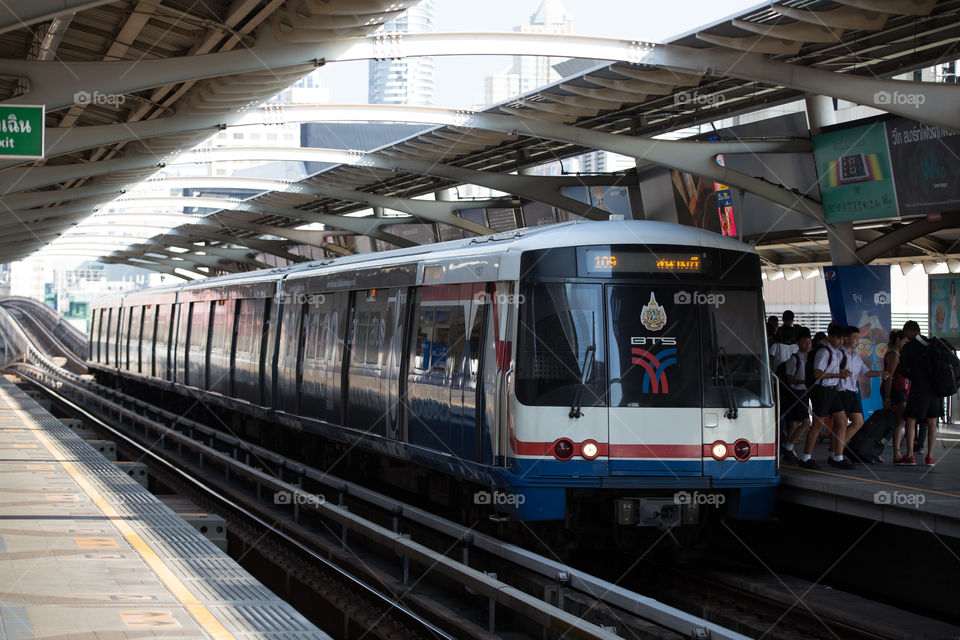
(894, 389)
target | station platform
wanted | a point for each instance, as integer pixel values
(918, 497)
(86, 553)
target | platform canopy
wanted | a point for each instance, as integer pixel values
(617, 95)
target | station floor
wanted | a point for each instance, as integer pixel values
(919, 497)
(86, 553)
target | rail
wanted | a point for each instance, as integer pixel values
(545, 614)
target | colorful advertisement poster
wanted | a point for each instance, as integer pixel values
(860, 296)
(944, 302)
(728, 225)
(698, 203)
(856, 181)
(926, 166)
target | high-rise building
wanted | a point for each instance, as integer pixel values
(529, 73)
(408, 80)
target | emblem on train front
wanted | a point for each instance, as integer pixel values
(652, 315)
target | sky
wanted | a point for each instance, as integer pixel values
(460, 79)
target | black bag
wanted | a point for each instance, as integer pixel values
(809, 378)
(944, 368)
(867, 443)
(787, 395)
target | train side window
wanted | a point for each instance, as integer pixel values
(421, 359)
(106, 337)
(374, 337)
(360, 336)
(441, 341)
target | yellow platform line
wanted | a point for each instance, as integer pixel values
(880, 482)
(197, 609)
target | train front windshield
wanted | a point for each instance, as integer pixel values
(667, 342)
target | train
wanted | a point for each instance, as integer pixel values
(609, 371)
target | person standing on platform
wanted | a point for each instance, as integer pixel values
(922, 405)
(797, 412)
(894, 389)
(829, 369)
(849, 387)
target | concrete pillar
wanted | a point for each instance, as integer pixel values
(843, 243)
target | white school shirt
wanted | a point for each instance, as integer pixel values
(797, 368)
(781, 352)
(856, 366)
(833, 356)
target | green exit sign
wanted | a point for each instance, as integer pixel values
(21, 131)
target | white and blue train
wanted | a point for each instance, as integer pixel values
(582, 370)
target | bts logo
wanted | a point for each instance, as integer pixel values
(643, 341)
(654, 366)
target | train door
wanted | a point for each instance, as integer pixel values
(470, 408)
(394, 342)
(655, 395)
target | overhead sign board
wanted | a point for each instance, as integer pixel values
(888, 168)
(21, 131)
(856, 182)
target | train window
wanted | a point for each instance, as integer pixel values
(421, 358)
(473, 342)
(440, 345)
(106, 337)
(360, 336)
(374, 337)
(734, 363)
(561, 352)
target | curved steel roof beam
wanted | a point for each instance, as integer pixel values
(36, 11)
(55, 85)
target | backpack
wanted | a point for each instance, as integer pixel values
(781, 373)
(944, 368)
(811, 380)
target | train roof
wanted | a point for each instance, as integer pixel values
(576, 233)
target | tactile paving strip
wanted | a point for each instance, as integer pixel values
(238, 602)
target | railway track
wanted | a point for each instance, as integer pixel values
(424, 576)
(502, 588)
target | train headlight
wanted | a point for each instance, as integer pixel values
(589, 449)
(741, 450)
(563, 449)
(719, 450)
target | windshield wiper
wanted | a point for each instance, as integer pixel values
(588, 358)
(728, 389)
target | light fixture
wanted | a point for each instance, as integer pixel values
(589, 449)
(776, 274)
(930, 266)
(810, 272)
(907, 267)
(719, 450)
(791, 273)
(953, 265)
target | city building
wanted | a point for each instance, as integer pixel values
(408, 80)
(531, 72)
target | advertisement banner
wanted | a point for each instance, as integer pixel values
(926, 166)
(860, 296)
(944, 303)
(856, 182)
